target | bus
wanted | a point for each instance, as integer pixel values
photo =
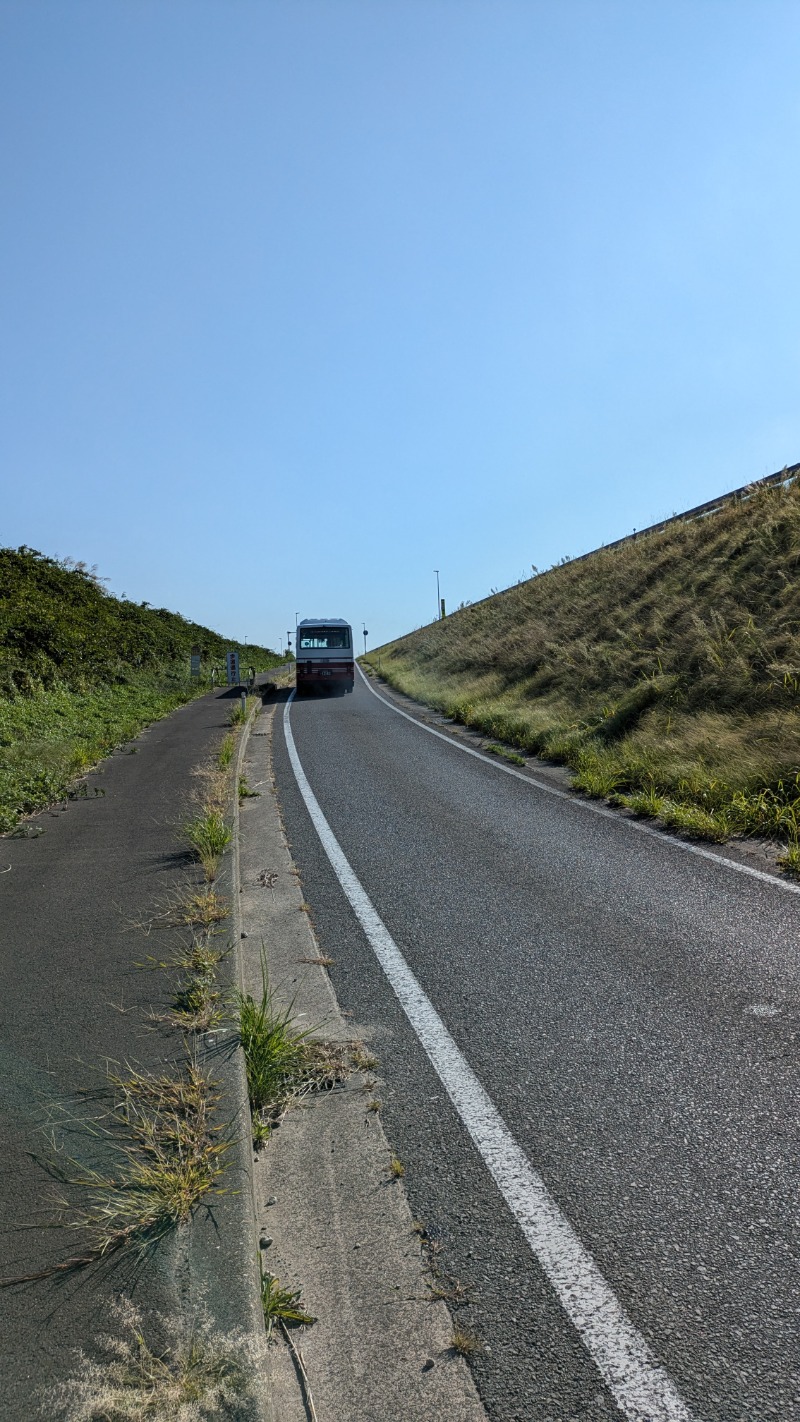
(323, 653)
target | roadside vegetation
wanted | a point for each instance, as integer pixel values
(664, 672)
(202, 1374)
(82, 671)
(283, 1064)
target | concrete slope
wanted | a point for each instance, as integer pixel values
(632, 1012)
(72, 1001)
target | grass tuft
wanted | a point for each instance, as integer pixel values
(209, 835)
(282, 1064)
(225, 754)
(464, 1342)
(282, 1305)
(790, 860)
(201, 1374)
(506, 754)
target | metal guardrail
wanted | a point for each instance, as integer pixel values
(784, 476)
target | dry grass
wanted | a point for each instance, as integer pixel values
(201, 1374)
(168, 1150)
(665, 672)
(464, 1342)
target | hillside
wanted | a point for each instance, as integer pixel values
(82, 671)
(664, 670)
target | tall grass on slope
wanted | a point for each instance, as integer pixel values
(665, 672)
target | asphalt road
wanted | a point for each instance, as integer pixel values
(632, 1011)
(72, 999)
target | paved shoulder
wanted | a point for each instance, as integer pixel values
(74, 999)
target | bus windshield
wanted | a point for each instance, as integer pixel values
(324, 638)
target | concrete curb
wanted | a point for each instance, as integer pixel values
(221, 1267)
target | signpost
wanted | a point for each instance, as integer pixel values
(195, 663)
(232, 668)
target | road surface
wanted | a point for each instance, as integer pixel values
(629, 1011)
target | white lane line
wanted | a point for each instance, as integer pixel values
(642, 1389)
(590, 805)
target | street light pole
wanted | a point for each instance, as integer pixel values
(366, 634)
(438, 596)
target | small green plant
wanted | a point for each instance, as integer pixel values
(396, 1167)
(282, 1305)
(240, 712)
(361, 1059)
(647, 803)
(169, 1151)
(282, 1064)
(208, 834)
(790, 859)
(245, 793)
(225, 755)
(197, 1006)
(274, 1052)
(693, 822)
(200, 908)
(507, 754)
(464, 1342)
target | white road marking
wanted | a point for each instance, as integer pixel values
(642, 1389)
(590, 805)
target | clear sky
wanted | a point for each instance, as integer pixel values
(303, 299)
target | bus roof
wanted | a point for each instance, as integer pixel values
(323, 622)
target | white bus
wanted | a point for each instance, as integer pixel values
(323, 651)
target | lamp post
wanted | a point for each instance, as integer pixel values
(438, 596)
(366, 634)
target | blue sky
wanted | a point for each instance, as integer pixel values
(303, 299)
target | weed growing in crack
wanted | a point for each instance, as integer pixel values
(282, 1064)
(209, 835)
(203, 1374)
(170, 1155)
(464, 1342)
(282, 1305)
(201, 909)
(361, 1058)
(396, 1167)
(225, 753)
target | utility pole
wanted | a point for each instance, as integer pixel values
(438, 595)
(366, 634)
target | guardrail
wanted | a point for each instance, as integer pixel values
(785, 476)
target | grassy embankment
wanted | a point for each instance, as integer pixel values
(81, 672)
(665, 672)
